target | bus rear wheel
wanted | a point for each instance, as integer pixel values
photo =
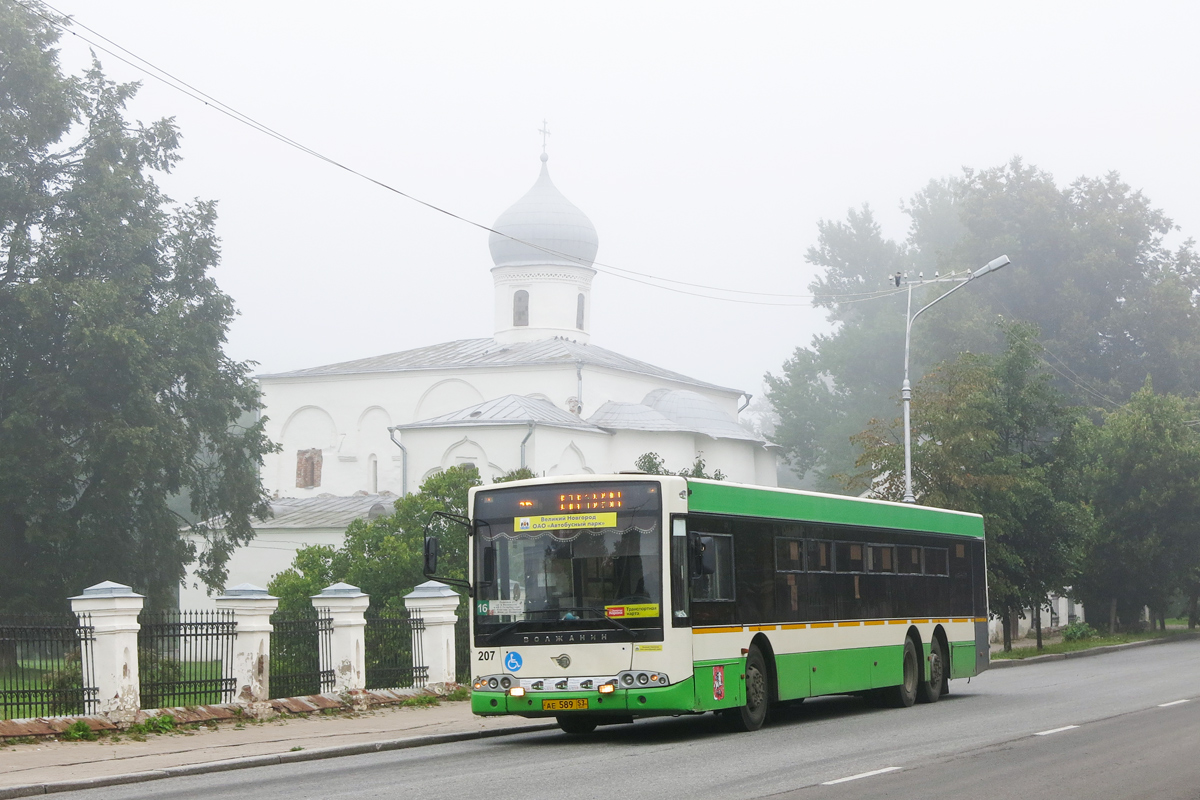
(929, 691)
(905, 694)
(576, 726)
(753, 714)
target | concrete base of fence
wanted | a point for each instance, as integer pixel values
(348, 701)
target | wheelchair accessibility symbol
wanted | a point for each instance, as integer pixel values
(512, 662)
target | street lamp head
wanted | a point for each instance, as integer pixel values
(991, 266)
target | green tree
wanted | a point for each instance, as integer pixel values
(1089, 268)
(993, 436)
(385, 556)
(653, 464)
(1144, 477)
(115, 392)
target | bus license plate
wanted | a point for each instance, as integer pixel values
(565, 705)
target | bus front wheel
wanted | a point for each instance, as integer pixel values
(576, 726)
(929, 691)
(753, 714)
(905, 694)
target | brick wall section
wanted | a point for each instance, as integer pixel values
(308, 468)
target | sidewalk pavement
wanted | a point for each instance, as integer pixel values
(27, 769)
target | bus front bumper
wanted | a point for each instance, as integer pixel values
(650, 701)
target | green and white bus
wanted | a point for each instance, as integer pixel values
(601, 599)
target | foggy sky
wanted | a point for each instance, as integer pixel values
(704, 141)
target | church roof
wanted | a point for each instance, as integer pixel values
(672, 410)
(559, 232)
(476, 353)
(322, 511)
(511, 409)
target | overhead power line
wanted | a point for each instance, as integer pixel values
(667, 284)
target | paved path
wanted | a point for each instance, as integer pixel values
(48, 761)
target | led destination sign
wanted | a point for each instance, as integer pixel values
(590, 501)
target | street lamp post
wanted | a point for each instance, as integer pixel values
(906, 387)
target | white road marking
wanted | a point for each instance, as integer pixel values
(861, 775)
(1172, 703)
(1056, 730)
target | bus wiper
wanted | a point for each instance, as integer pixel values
(600, 613)
(496, 634)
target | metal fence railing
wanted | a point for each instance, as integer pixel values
(46, 665)
(300, 650)
(393, 650)
(185, 658)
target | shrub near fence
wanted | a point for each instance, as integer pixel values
(46, 665)
(300, 648)
(393, 650)
(185, 658)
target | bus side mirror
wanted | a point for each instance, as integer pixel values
(431, 556)
(488, 573)
(704, 556)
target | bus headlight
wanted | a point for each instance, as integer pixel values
(629, 679)
(607, 688)
(516, 691)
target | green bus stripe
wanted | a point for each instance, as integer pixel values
(721, 498)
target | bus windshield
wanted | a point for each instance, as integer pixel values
(568, 557)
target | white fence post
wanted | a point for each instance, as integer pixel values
(251, 670)
(435, 603)
(114, 609)
(347, 643)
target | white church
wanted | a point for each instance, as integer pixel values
(536, 393)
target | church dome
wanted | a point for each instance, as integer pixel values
(545, 218)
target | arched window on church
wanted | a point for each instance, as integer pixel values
(520, 308)
(579, 312)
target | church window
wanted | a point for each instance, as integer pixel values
(579, 312)
(308, 468)
(521, 308)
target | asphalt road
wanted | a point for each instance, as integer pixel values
(981, 740)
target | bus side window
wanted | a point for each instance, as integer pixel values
(937, 561)
(719, 585)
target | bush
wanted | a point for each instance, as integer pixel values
(1078, 631)
(79, 731)
(159, 723)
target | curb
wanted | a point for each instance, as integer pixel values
(1007, 663)
(362, 748)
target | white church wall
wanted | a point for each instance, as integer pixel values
(601, 385)
(561, 451)
(676, 449)
(733, 457)
(270, 552)
(766, 471)
(445, 396)
(553, 297)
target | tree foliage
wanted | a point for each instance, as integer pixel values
(384, 557)
(654, 464)
(992, 435)
(1089, 268)
(1143, 471)
(115, 392)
